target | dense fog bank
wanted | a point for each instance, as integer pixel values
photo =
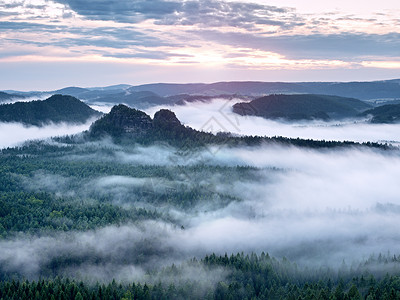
(217, 116)
(317, 208)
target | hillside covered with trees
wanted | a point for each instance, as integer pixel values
(301, 107)
(56, 109)
(389, 113)
(248, 277)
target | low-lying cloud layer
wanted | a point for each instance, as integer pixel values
(217, 116)
(13, 134)
(315, 207)
(26, 99)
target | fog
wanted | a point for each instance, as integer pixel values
(217, 116)
(27, 99)
(314, 207)
(104, 108)
(13, 134)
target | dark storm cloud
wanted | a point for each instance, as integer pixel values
(316, 46)
(208, 13)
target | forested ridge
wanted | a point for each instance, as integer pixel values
(301, 106)
(246, 277)
(389, 113)
(31, 203)
(56, 109)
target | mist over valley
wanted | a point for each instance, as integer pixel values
(210, 150)
(189, 192)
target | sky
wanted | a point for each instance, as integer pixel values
(50, 44)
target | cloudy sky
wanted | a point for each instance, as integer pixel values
(48, 44)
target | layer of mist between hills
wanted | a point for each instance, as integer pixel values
(293, 101)
(316, 207)
(288, 201)
(55, 109)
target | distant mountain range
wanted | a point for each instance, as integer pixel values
(4, 97)
(56, 109)
(142, 96)
(305, 106)
(301, 100)
(374, 90)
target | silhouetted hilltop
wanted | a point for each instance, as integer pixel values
(306, 106)
(129, 123)
(166, 118)
(57, 108)
(122, 120)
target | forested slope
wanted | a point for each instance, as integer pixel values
(56, 109)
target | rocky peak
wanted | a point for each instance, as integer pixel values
(122, 120)
(129, 118)
(130, 122)
(166, 117)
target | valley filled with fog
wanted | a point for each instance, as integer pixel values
(314, 206)
(98, 209)
(199, 150)
(14, 134)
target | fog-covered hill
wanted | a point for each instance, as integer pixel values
(57, 108)
(305, 106)
(389, 113)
